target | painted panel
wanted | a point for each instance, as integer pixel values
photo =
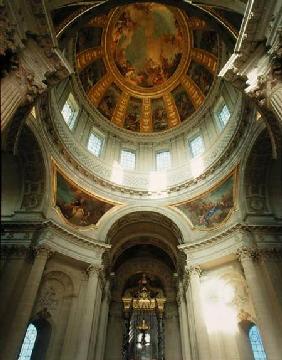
(159, 115)
(183, 103)
(132, 117)
(77, 206)
(212, 208)
(109, 101)
(201, 76)
(92, 74)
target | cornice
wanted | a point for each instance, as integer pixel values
(85, 241)
(237, 228)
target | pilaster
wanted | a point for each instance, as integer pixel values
(266, 318)
(193, 274)
(23, 311)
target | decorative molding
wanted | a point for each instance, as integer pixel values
(81, 160)
(241, 228)
(49, 226)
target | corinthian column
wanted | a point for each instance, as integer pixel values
(193, 274)
(267, 321)
(93, 272)
(23, 311)
(183, 319)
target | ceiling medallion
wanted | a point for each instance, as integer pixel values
(147, 67)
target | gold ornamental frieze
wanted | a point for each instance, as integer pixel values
(172, 113)
(97, 91)
(205, 58)
(146, 119)
(120, 110)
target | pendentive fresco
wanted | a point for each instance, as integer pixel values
(77, 206)
(212, 208)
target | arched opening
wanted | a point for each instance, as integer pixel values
(36, 340)
(143, 263)
(256, 343)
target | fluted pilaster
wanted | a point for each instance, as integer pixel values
(193, 277)
(93, 272)
(267, 321)
(183, 319)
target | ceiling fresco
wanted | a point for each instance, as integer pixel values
(146, 66)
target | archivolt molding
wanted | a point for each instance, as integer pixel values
(147, 239)
(163, 216)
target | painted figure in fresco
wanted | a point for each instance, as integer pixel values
(78, 208)
(159, 118)
(147, 44)
(109, 101)
(132, 118)
(211, 209)
(183, 103)
(201, 76)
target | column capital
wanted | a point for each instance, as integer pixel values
(270, 253)
(42, 251)
(193, 270)
(247, 253)
(190, 271)
(94, 269)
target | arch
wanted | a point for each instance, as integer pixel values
(256, 187)
(33, 168)
(63, 278)
(180, 225)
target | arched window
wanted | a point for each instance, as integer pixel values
(28, 343)
(256, 343)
